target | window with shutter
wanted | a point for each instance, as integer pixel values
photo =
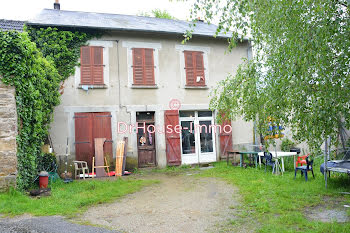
(143, 67)
(91, 69)
(194, 66)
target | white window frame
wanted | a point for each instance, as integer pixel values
(132, 44)
(206, 52)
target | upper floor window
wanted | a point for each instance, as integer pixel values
(91, 69)
(142, 63)
(143, 66)
(194, 66)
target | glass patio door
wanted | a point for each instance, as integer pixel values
(197, 137)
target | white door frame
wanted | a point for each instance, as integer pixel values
(197, 157)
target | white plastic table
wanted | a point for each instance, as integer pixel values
(279, 155)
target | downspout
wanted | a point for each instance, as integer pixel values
(118, 74)
(119, 84)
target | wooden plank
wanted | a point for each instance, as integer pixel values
(119, 158)
(102, 128)
(125, 154)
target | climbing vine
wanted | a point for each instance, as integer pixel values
(60, 46)
(35, 62)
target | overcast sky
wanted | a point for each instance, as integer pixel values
(27, 9)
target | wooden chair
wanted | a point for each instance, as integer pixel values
(79, 168)
(99, 166)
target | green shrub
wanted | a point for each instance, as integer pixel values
(287, 144)
(47, 162)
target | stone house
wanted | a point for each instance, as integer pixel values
(8, 123)
(139, 75)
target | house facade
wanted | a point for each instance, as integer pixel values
(139, 81)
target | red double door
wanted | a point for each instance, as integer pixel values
(89, 126)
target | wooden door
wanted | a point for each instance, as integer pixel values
(89, 126)
(225, 139)
(146, 144)
(101, 128)
(84, 146)
(172, 138)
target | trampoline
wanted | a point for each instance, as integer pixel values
(340, 166)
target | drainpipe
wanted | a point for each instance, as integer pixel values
(118, 74)
(57, 5)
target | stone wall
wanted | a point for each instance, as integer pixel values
(8, 132)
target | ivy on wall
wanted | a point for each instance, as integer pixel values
(35, 63)
(60, 46)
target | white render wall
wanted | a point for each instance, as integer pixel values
(123, 101)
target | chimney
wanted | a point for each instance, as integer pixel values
(57, 5)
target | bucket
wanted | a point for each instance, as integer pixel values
(43, 179)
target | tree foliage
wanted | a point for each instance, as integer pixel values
(158, 13)
(60, 46)
(36, 71)
(300, 74)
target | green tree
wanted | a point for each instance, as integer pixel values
(300, 72)
(158, 13)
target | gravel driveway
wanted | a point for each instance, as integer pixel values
(179, 203)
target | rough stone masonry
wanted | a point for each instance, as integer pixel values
(8, 133)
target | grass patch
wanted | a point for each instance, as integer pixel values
(69, 199)
(278, 203)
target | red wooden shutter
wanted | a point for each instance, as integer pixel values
(148, 67)
(225, 139)
(173, 149)
(199, 61)
(84, 148)
(97, 65)
(194, 66)
(85, 68)
(143, 66)
(138, 66)
(189, 67)
(91, 59)
(101, 128)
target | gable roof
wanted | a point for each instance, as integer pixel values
(7, 25)
(50, 17)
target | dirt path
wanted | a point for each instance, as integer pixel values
(181, 203)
